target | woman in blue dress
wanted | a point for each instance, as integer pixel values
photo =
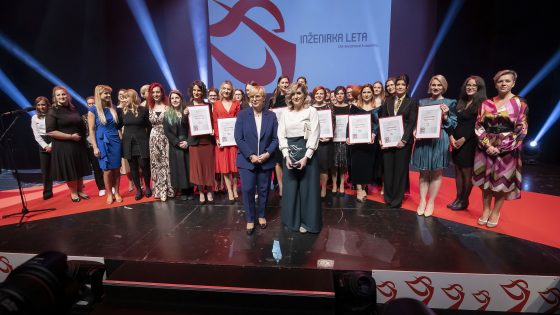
(104, 137)
(431, 156)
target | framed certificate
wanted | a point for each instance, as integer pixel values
(391, 130)
(428, 125)
(279, 111)
(341, 122)
(359, 127)
(199, 120)
(325, 123)
(226, 129)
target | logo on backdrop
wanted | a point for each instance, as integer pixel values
(5, 265)
(483, 297)
(422, 286)
(456, 293)
(552, 297)
(283, 50)
(520, 286)
(388, 289)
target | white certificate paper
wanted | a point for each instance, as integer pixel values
(340, 129)
(359, 127)
(279, 111)
(391, 130)
(325, 123)
(226, 130)
(199, 120)
(428, 125)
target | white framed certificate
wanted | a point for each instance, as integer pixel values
(226, 130)
(199, 120)
(391, 130)
(325, 123)
(428, 125)
(279, 111)
(359, 128)
(341, 122)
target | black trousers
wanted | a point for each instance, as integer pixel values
(395, 176)
(45, 160)
(97, 172)
(137, 163)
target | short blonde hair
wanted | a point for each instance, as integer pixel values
(255, 90)
(442, 80)
(504, 72)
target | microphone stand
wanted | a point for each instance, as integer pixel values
(24, 210)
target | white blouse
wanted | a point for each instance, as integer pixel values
(39, 129)
(293, 124)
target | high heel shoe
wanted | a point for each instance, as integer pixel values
(148, 193)
(482, 221)
(493, 224)
(210, 198)
(453, 203)
(262, 223)
(460, 205)
(76, 199)
(429, 210)
(250, 228)
(110, 199)
(138, 195)
(83, 196)
(202, 198)
(421, 209)
(118, 198)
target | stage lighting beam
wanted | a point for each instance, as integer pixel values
(550, 121)
(199, 24)
(545, 70)
(452, 12)
(26, 58)
(144, 21)
(8, 87)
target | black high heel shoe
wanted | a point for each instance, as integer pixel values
(83, 196)
(77, 199)
(148, 192)
(250, 231)
(138, 195)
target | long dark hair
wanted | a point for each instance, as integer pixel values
(478, 97)
(277, 91)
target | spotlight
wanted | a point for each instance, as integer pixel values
(531, 152)
(545, 70)
(26, 58)
(454, 8)
(142, 17)
(12, 91)
(355, 292)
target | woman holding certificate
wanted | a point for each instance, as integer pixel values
(340, 111)
(325, 150)
(399, 120)
(226, 153)
(464, 141)
(436, 121)
(201, 149)
(362, 151)
(159, 145)
(298, 135)
(278, 100)
(255, 135)
(501, 127)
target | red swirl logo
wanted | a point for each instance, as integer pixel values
(552, 297)
(422, 286)
(522, 296)
(483, 297)
(388, 289)
(5, 265)
(456, 293)
(284, 51)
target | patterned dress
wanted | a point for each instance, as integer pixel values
(505, 129)
(433, 154)
(159, 157)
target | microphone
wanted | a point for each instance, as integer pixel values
(19, 111)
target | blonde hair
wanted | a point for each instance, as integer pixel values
(133, 102)
(504, 72)
(228, 82)
(144, 89)
(68, 100)
(99, 89)
(292, 89)
(442, 80)
(256, 90)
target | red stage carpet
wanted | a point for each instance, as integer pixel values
(534, 217)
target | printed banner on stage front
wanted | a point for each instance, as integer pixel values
(428, 125)
(359, 127)
(325, 123)
(226, 129)
(199, 120)
(340, 129)
(391, 130)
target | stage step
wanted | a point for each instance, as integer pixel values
(190, 287)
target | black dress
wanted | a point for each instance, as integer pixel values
(135, 133)
(363, 155)
(69, 159)
(325, 150)
(280, 102)
(466, 119)
(178, 158)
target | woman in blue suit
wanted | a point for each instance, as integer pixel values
(255, 134)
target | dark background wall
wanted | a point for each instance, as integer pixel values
(98, 41)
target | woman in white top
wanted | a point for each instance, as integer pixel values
(42, 105)
(298, 135)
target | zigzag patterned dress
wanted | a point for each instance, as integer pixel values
(504, 128)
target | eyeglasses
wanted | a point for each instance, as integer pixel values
(257, 97)
(471, 85)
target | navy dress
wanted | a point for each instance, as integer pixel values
(108, 141)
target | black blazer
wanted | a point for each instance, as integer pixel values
(137, 127)
(409, 111)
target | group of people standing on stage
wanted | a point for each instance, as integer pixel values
(166, 160)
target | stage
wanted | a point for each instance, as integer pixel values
(186, 247)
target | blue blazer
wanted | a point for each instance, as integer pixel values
(248, 141)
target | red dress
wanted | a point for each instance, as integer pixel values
(226, 156)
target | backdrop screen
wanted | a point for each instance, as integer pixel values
(330, 42)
